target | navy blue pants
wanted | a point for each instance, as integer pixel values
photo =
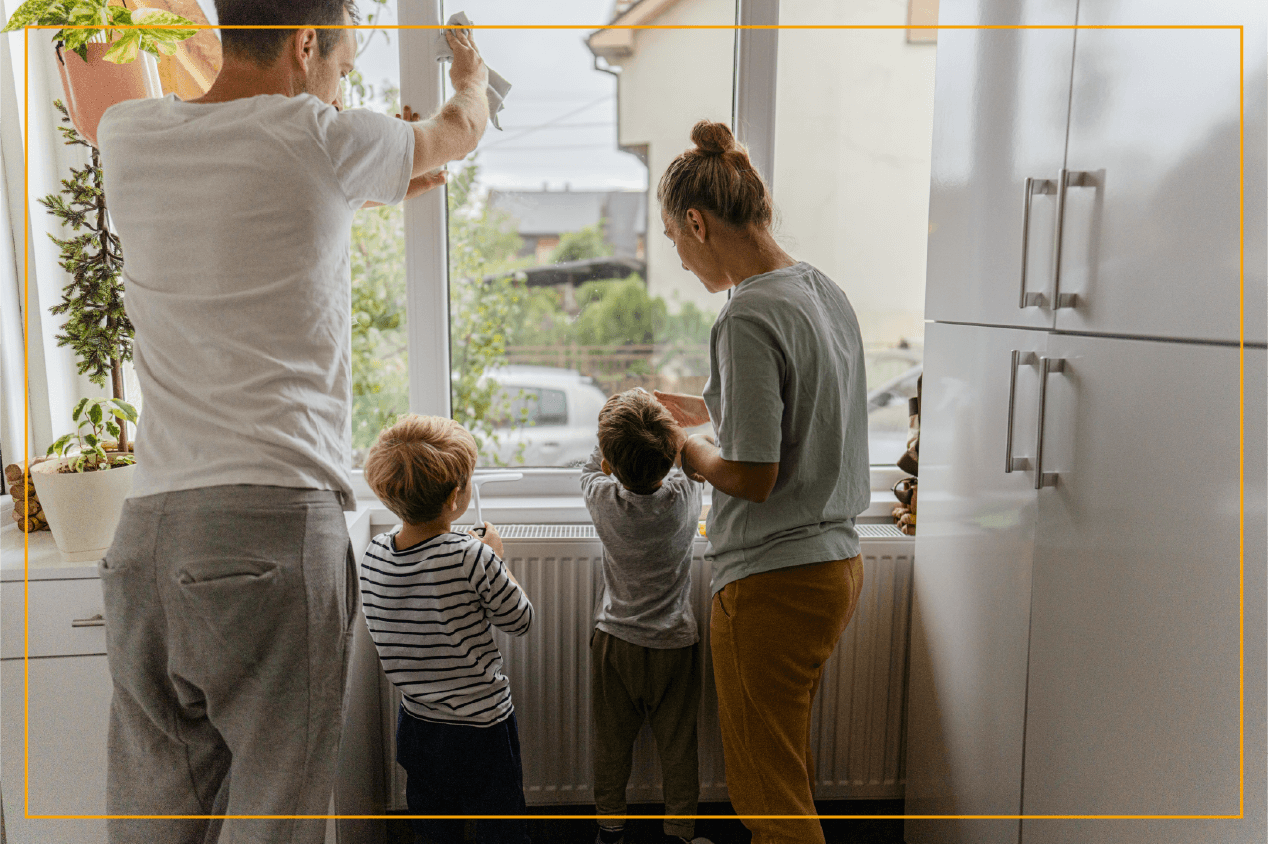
(458, 769)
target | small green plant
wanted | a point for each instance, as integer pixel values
(101, 23)
(85, 450)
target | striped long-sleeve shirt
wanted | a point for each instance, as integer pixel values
(431, 609)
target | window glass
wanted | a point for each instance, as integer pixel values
(854, 116)
(563, 289)
(380, 362)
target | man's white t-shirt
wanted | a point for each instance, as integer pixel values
(235, 223)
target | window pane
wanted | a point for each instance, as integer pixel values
(854, 116)
(380, 363)
(563, 288)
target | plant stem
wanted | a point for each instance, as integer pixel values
(116, 365)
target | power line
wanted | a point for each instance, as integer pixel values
(553, 122)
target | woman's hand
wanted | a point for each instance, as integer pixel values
(688, 411)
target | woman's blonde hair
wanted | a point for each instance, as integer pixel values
(716, 176)
(417, 463)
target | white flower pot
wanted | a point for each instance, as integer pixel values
(83, 507)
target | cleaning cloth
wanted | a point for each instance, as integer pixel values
(498, 87)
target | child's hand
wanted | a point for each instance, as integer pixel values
(491, 538)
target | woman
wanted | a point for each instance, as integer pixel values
(787, 397)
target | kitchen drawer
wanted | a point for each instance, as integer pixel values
(65, 618)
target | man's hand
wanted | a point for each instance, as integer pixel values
(688, 411)
(468, 70)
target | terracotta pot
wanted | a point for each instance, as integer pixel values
(93, 86)
(83, 508)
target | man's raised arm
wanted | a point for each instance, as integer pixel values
(456, 129)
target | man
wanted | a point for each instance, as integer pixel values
(231, 587)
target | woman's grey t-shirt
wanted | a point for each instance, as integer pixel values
(647, 543)
(787, 385)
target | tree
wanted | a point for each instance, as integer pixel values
(97, 328)
(485, 301)
(584, 243)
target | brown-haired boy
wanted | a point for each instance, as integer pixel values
(430, 598)
(645, 651)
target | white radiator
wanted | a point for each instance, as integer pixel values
(859, 717)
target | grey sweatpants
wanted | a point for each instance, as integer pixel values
(228, 619)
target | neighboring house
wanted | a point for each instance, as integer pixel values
(852, 141)
(541, 217)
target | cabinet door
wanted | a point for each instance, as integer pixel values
(1000, 107)
(971, 584)
(1133, 703)
(1152, 242)
(66, 751)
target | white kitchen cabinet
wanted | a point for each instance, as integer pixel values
(1154, 123)
(971, 608)
(1134, 664)
(1001, 109)
(66, 742)
(1088, 630)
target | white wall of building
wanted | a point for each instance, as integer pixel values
(852, 145)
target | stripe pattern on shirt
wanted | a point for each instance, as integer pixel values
(431, 610)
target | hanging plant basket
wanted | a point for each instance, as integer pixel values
(94, 85)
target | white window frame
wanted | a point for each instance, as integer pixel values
(546, 495)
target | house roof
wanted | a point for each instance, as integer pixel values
(616, 44)
(552, 213)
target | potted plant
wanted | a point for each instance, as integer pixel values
(82, 491)
(97, 55)
(85, 503)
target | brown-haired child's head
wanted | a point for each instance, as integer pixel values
(416, 464)
(638, 438)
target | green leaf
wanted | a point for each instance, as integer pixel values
(92, 440)
(112, 429)
(34, 12)
(59, 447)
(79, 408)
(94, 413)
(125, 49)
(129, 412)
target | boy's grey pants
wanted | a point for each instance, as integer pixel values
(228, 619)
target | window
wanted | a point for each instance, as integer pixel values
(556, 268)
(380, 348)
(853, 128)
(562, 289)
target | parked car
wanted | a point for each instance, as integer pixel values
(551, 416)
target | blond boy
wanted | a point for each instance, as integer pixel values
(431, 598)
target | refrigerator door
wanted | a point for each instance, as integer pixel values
(1152, 234)
(971, 582)
(1001, 103)
(1133, 700)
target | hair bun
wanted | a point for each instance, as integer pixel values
(712, 138)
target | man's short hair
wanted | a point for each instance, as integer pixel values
(416, 464)
(263, 46)
(636, 436)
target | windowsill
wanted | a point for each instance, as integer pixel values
(553, 496)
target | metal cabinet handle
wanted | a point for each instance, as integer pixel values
(1043, 187)
(1011, 463)
(97, 620)
(1067, 179)
(1047, 365)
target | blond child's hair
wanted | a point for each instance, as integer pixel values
(416, 464)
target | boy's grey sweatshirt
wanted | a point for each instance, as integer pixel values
(647, 543)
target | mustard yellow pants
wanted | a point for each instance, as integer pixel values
(771, 635)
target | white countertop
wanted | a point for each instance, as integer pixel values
(45, 561)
